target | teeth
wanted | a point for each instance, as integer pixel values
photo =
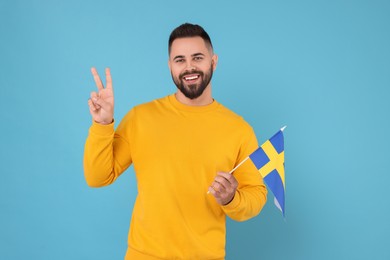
(191, 78)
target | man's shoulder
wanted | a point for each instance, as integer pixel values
(151, 105)
(227, 112)
(145, 112)
(233, 117)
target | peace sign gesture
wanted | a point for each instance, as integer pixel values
(101, 103)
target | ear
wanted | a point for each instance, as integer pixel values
(169, 64)
(214, 61)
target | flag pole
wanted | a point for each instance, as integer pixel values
(239, 165)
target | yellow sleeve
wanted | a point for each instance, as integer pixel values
(106, 153)
(251, 194)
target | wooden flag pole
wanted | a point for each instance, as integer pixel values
(235, 168)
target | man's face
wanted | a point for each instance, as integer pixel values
(192, 64)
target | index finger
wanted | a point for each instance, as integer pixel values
(108, 78)
(97, 79)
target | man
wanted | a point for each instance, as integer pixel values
(182, 147)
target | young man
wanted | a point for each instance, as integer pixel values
(182, 147)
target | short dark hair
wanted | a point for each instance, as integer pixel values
(188, 30)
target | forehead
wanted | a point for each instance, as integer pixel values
(188, 46)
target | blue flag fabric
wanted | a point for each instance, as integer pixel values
(269, 160)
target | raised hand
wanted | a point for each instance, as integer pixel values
(101, 103)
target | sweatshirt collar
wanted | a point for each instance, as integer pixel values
(180, 106)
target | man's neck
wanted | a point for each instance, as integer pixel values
(203, 100)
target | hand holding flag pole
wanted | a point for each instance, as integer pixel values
(269, 160)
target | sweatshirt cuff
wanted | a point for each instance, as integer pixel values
(100, 129)
(232, 204)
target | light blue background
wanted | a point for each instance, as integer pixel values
(320, 67)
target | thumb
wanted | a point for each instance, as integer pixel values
(103, 104)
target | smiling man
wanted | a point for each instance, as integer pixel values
(181, 146)
(191, 71)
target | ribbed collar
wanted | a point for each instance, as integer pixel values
(200, 109)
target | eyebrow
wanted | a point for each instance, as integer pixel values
(197, 54)
(192, 55)
(178, 57)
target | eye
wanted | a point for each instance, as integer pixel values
(198, 58)
(179, 60)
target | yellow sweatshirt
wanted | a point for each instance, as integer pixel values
(176, 151)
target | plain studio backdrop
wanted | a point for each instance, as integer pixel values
(320, 67)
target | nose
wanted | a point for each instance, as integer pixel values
(190, 66)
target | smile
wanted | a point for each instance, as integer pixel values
(191, 77)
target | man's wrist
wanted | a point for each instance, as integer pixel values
(225, 204)
(108, 122)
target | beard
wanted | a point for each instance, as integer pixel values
(193, 91)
